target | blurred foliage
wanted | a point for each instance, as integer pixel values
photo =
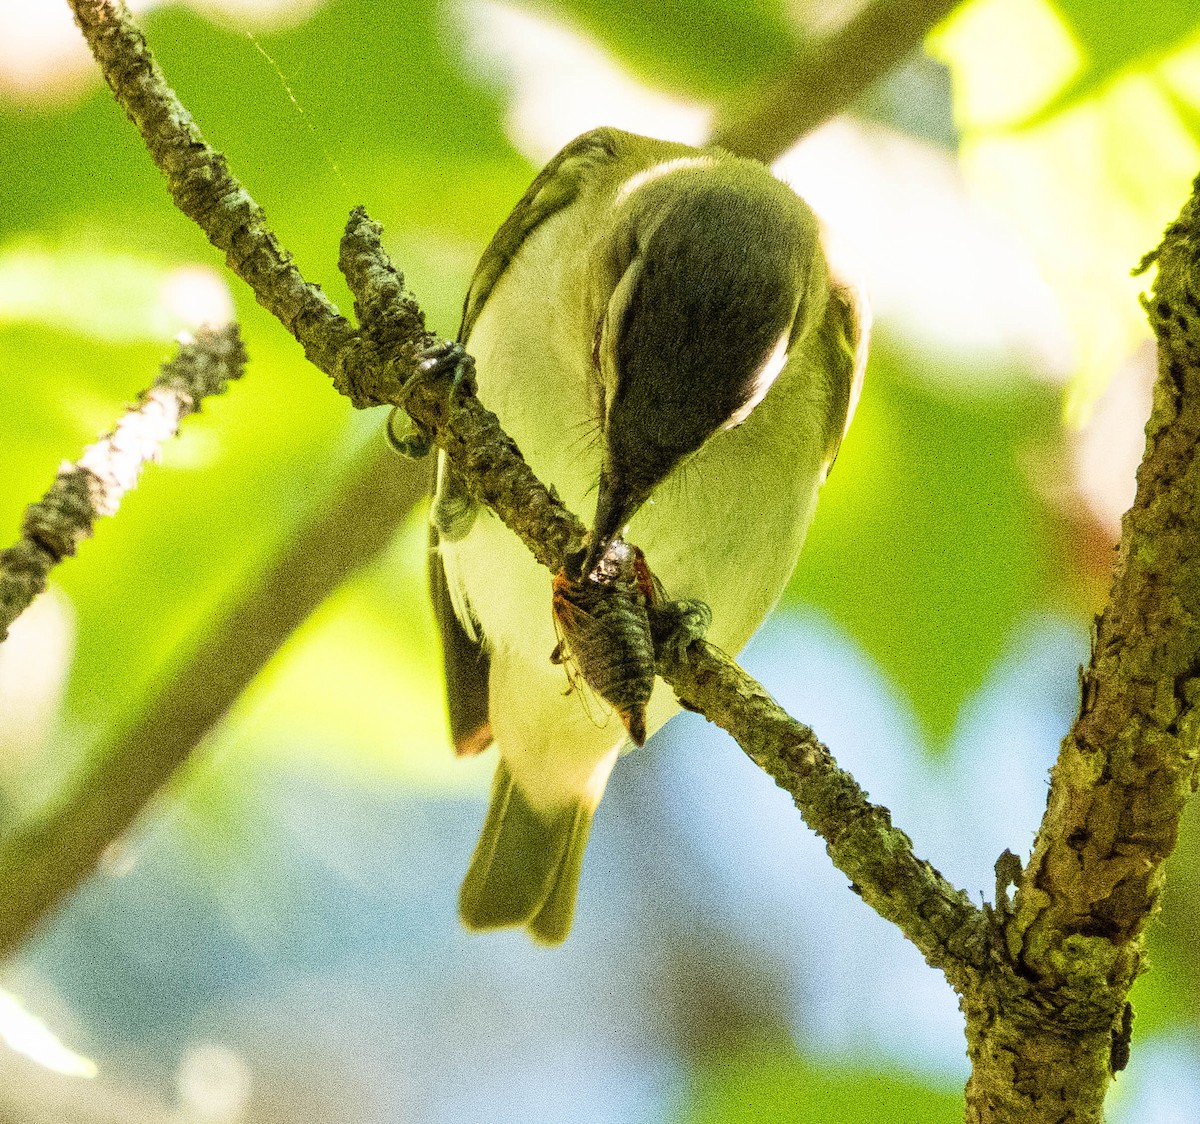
(368, 101)
(705, 48)
(1077, 119)
(1112, 36)
(785, 1090)
(929, 542)
(355, 122)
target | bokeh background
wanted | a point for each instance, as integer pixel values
(277, 940)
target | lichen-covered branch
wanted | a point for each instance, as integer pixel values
(826, 77)
(202, 186)
(1125, 770)
(1131, 759)
(488, 459)
(877, 857)
(94, 484)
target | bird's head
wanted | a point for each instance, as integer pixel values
(710, 270)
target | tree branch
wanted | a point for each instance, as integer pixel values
(200, 183)
(878, 858)
(202, 187)
(95, 484)
(44, 861)
(827, 77)
(1124, 773)
(488, 459)
(1131, 761)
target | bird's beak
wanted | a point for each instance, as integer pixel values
(616, 504)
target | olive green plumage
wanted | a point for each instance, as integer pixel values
(526, 866)
(658, 329)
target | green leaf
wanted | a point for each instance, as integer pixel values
(1114, 37)
(1088, 171)
(705, 48)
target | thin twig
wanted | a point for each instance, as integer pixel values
(200, 183)
(488, 459)
(827, 76)
(94, 484)
(950, 932)
(44, 861)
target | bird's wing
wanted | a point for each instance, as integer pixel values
(843, 336)
(557, 185)
(464, 658)
(465, 664)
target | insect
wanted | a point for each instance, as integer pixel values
(604, 632)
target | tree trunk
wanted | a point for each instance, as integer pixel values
(1034, 1068)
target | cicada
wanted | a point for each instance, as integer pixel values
(604, 632)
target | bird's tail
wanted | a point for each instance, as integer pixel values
(525, 870)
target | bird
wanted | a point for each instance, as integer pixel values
(658, 328)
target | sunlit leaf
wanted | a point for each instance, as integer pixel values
(1091, 180)
(702, 47)
(982, 43)
(1114, 37)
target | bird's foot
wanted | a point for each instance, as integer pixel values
(453, 511)
(445, 361)
(676, 625)
(406, 436)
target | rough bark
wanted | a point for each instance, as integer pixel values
(1050, 1024)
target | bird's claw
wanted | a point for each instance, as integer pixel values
(446, 358)
(453, 513)
(676, 625)
(406, 436)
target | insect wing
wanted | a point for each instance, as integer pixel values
(602, 619)
(571, 624)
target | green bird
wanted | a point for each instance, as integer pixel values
(658, 329)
